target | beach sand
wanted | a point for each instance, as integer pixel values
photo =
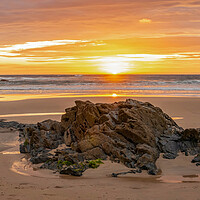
(179, 179)
(185, 110)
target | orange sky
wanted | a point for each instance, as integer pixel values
(92, 36)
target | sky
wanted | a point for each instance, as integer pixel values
(99, 37)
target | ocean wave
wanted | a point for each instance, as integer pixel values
(136, 80)
(92, 84)
(82, 87)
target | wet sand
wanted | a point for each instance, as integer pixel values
(179, 179)
(185, 110)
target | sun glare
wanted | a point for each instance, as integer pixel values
(114, 65)
(114, 95)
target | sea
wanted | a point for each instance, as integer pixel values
(101, 85)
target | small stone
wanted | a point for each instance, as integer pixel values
(196, 159)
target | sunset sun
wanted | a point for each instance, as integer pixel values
(114, 65)
(85, 84)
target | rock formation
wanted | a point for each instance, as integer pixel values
(130, 132)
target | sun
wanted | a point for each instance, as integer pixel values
(114, 95)
(114, 65)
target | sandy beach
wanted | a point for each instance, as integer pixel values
(184, 110)
(179, 178)
(100, 100)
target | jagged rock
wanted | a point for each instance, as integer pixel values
(39, 159)
(116, 130)
(47, 134)
(191, 134)
(10, 124)
(131, 132)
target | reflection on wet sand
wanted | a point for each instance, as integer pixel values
(10, 152)
(31, 114)
(25, 168)
(180, 179)
(177, 118)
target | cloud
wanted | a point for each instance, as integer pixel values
(5, 53)
(27, 20)
(55, 51)
(190, 56)
(145, 21)
(141, 57)
(168, 35)
(15, 50)
(38, 44)
(49, 59)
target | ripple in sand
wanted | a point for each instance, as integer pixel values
(180, 179)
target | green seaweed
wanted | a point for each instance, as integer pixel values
(60, 162)
(95, 163)
(68, 163)
(26, 142)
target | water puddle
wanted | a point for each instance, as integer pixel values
(25, 168)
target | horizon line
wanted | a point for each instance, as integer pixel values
(96, 74)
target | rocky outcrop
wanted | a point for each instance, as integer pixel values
(41, 137)
(11, 124)
(130, 132)
(124, 131)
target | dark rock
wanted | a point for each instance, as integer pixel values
(196, 159)
(39, 159)
(111, 127)
(152, 170)
(131, 132)
(10, 124)
(71, 171)
(123, 173)
(191, 134)
(24, 148)
(172, 147)
(47, 134)
(169, 156)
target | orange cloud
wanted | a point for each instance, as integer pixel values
(145, 21)
(33, 35)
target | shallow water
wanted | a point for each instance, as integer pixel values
(101, 85)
